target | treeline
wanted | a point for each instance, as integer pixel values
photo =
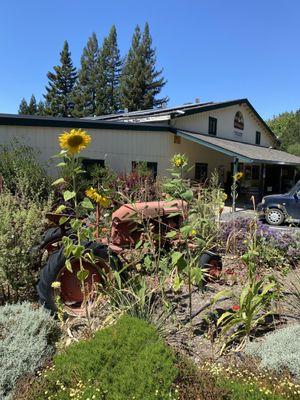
(287, 127)
(105, 83)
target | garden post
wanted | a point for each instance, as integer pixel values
(235, 170)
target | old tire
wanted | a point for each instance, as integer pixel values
(212, 262)
(274, 216)
(54, 267)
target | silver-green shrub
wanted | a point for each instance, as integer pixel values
(279, 350)
(21, 224)
(28, 336)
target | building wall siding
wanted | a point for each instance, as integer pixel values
(118, 148)
(225, 128)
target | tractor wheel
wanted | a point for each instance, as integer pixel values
(212, 262)
(70, 291)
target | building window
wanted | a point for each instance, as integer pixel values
(145, 166)
(212, 125)
(200, 172)
(239, 121)
(257, 137)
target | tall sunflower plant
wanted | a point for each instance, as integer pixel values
(71, 144)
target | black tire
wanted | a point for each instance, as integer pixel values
(54, 265)
(212, 262)
(274, 216)
(54, 235)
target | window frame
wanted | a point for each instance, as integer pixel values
(257, 137)
(212, 125)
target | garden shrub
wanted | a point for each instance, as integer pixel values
(21, 223)
(27, 336)
(279, 350)
(22, 172)
(125, 361)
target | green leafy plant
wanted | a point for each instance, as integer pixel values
(28, 336)
(124, 361)
(23, 174)
(21, 224)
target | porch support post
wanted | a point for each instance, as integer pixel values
(235, 170)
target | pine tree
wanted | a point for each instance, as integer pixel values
(140, 82)
(32, 107)
(60, 90)
(154, 82)
(86, 87)
(132, 79)
(108, 76)
(41, 108)
(23, 107)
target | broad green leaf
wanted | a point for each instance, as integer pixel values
(77, 251)
(63, 220)
(61, 164)
(68, 265)
(82, 275)
(68, 195)
(58, 181)
(175, 257)
(118, 279)
(222, 293)
(60, 209)
(188, 195)
(87, 204)
(171, 234)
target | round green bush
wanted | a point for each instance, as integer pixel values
(125, 361)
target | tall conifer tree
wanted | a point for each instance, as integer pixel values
(23, 107)
(109, 70)
(86, 87)
(140, 82)
(32, 107)
(60, 90)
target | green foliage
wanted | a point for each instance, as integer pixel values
(140, 81)
(125, 361)
(22, 173)
(108, 75)
(60, 89)
(279, 350)
(28, 336)
(287, 127)
(21, 223)
(86, 87)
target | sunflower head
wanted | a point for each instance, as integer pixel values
(74, 141)
(179, 160)
(238, 176)
(97, 197)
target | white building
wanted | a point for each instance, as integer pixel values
(223, 136)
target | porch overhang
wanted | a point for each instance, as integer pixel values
(245, 152)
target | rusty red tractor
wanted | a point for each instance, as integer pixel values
(125, 232)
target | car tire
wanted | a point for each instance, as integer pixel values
(274, 216)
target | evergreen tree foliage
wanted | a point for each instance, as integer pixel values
(109, 70)
(41, 108)
(287, 127)
(140, 81)
(60, 89)
(154, 81)
(86, 87)
(32, 107)
(23, 107)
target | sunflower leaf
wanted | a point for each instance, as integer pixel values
(58, 181)
(68, 195)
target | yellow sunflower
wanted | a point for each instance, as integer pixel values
(238, 176)
(74, 141)
(97, 197)
(179, 160)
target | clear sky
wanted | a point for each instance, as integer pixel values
(212, 49)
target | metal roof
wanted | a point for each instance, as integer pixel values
(181, 111)
(243, 151)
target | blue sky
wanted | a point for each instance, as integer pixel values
(211, 49)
